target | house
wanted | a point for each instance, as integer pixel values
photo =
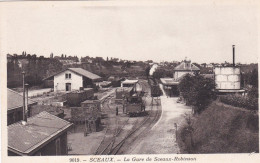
(185, 67)
(15, 106)
(209, 65)
(42, 134)
(73, 79)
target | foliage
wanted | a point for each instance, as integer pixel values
(35, 69)
(197, 91)
(221, 129)
(249, 75)
(161, 73)
(147, 70)
(250, 103)
(254, 78)
(253, 92)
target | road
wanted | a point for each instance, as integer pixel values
(161, 139)
(37, 92)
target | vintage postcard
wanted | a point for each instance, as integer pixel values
(129, 81)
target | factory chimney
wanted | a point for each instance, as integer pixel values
(233, 55)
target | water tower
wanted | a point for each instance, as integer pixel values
(228, 78)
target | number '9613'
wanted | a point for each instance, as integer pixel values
(74, 159)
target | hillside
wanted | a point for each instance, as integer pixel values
(222, 129)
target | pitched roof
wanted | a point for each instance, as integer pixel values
(79, 71)
(169, 81)
(85, 73)
(15, 100)
(39, 130)
(127, 81)
(186, 66)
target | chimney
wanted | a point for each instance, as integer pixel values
(233, 55)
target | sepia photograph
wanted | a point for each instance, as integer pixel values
(149, 81)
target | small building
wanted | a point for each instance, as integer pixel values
(89, 114)
(74, 98)
(54, 110)
(128, 83)
(73, 79)
(170, 86)
(42, 135)
(15, 106)
(185, 67)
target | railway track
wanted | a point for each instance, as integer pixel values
(114, 145)
(108, 141)
(136, 132)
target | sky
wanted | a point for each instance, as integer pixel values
(202, 33)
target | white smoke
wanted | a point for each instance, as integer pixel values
(153, 68)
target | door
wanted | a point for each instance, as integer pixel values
(58, 151)
(68, 86)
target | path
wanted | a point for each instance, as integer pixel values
(161, 139)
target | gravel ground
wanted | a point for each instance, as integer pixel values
(161, 139)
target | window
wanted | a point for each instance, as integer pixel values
(68, 76)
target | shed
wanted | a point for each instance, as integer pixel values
(128, 83)
(43, 134)
(15, 106)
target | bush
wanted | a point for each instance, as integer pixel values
(197, 91)
(253, 92)
(246, 102)
(221, 129)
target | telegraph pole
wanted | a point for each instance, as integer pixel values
(24, 109)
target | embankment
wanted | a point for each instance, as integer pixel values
(221, 129)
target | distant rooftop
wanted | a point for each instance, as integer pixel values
(38, 131)
(186, 66)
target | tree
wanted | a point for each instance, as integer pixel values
(254, 78)
(161, 73)
(147, 70)
(197, 91)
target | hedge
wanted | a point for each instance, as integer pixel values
(240, 101)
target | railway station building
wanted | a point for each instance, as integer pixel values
(170, 85)
(184, 68)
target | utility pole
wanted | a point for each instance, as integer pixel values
(233, 47)
(24, 109)
(26, 102)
